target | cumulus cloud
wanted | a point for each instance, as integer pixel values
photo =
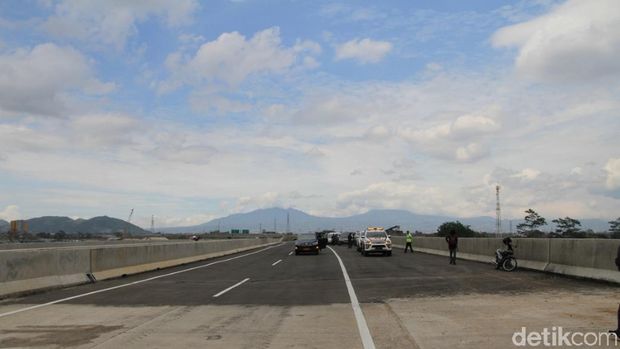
(10, 213)
(470, 152)
(231, 58)
(527, 174)
(576, 41)
(458, 139)
(398, 195)
(113, 22)
(265, 200)
(39, 80)
(363, 50)
(612, 168)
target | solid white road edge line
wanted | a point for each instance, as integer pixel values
(278, 261)
(367, 341)
(231, 287)
(133, 283)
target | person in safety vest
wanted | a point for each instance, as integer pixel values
(408, 240)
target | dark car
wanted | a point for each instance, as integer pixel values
(307, 244)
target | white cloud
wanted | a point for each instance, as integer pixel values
(612, 168)
(527, 174)
(379, 132)
(458, 139)
(363, 50)
(167, 221)
(208, 101)
(399, 195)
(470, 152)
(232, 58)
(40, 81)
(575, 41)
(105, 130)
(113, 22)
(10, 213)
(265, 200)
(350, 13)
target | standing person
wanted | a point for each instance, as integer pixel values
(617, 330)
(350, 239)
(409, 240)
(453, 244)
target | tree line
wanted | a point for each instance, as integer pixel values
(566, 227)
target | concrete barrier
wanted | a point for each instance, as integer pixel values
(586, 258)
(110, 262)
(26, 270)
(23, 271)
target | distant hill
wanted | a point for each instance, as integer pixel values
(96, 225)
(303, 222)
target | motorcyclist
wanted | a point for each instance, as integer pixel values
(500, 254)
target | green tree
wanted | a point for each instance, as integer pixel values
(568, 227)
(461, 229)
(532, 222)
(614, 228)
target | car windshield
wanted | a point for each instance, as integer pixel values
(375, 234)
(306, 237)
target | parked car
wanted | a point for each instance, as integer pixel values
(375, 240)
(333, 238)
(307, 244)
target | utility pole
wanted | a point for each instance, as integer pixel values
(128, 222)
(288, 224)
(498, 213)
(153, 224)
(260, 228)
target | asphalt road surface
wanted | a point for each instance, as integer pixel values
(265, 298)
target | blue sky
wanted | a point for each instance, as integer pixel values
(190, 110)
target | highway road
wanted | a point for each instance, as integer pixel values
(271, 298)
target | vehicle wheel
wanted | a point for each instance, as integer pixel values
(296, 253)
(365, 253)
(316, 253)
(510, 264)
(389, 253)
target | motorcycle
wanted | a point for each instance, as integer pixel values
(505, 259)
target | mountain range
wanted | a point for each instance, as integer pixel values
(271, 219)
(95, 225)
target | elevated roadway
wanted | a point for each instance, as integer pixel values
(271, 298)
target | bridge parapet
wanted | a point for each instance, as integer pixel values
(587, 258)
